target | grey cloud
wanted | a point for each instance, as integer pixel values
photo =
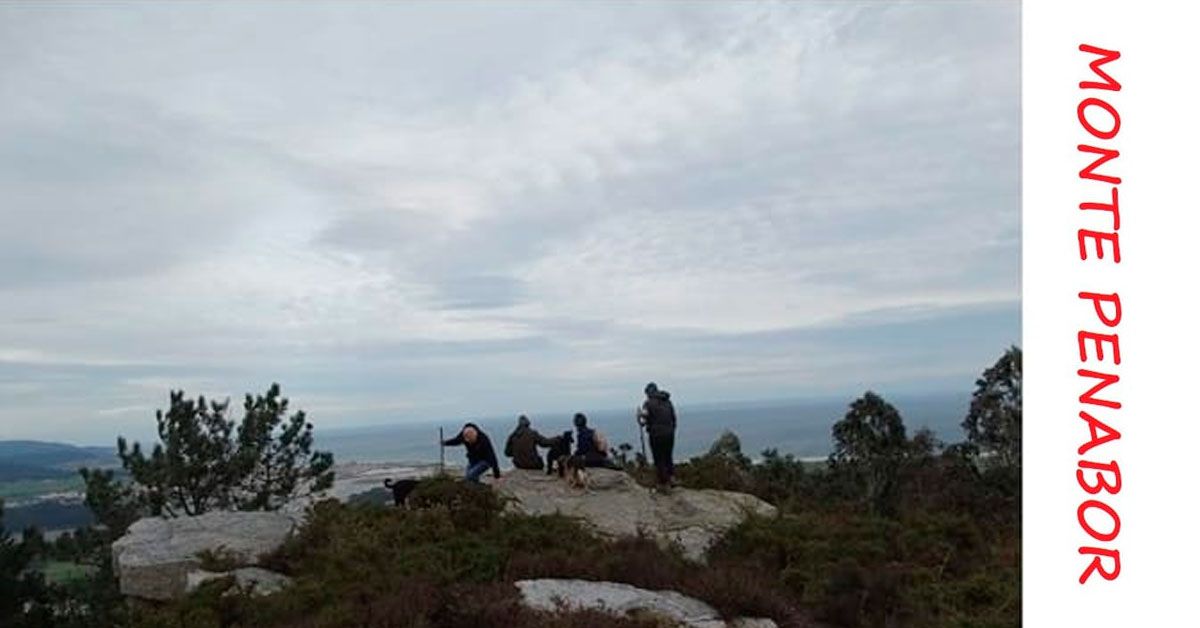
(443, 207)
(481, 292)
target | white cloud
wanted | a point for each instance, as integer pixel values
(404, 208)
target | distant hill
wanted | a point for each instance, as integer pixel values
(16, 471)
(39, 460)
(51, 514)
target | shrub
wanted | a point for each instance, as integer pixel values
(445, 564)
(724, 467)
(778, 479)
(473, 506)
(866, 570)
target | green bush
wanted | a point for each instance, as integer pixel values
(473, 506)
(866, 570)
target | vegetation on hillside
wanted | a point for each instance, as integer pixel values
(22, 590)
(208, 461)
(895, 529)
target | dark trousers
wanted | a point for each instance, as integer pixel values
(662, 448)
(598, 459)
(533, 464)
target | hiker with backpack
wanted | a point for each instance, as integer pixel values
(591, 445)
(480, 454)
(522, 445)
(657, 415)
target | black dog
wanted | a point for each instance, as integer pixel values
(401, 489)
(560, 450)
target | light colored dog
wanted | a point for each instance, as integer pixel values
(577, 473)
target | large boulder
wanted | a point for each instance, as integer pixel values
(615, 505)
(155, 556)
(622, 599)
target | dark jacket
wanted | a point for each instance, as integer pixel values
(659, 414)
(522, 447)
(479, 451)
(585, 440)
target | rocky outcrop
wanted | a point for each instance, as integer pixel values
(615, 505)
(155, 556)
(622, 599)
(159, 559)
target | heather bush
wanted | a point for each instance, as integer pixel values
(451, 562)
(867, 570)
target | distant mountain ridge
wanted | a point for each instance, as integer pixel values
(37, 460)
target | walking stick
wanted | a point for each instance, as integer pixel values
(441, 452)
(637, 414)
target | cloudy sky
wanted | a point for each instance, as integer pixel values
(423, 211)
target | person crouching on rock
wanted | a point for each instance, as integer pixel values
(522, 446)
(658, 416)
(591, 445)
(480, 455)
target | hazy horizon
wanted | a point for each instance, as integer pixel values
(545, 416)
(797, 426)
(400, 211)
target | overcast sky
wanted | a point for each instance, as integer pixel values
(405, 211)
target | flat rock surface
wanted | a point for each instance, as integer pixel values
(615, 505)
(622, 599)
(155, 555)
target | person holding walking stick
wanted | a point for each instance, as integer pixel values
(637, 415)
(657, 415)
(481, 457)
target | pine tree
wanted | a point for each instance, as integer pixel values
(208, 461)
(993, 423)
(870, 446)
(274, 454)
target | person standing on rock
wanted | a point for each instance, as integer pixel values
(657, 415)
(522, 446)
(480, 454)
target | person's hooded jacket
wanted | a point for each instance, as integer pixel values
(659, 413)
(585, 438)
(479, 451)
(522, 446)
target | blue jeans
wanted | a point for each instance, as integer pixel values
(476, 470)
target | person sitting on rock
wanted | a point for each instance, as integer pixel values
(591, 445)
(523, 443)
(480, 454)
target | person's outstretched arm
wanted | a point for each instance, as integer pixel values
(457, 440)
